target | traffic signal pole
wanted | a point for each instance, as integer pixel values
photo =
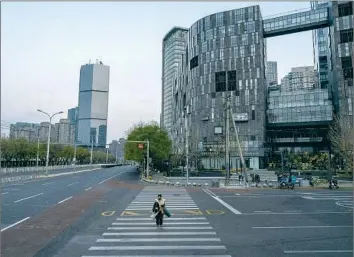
(147, 154)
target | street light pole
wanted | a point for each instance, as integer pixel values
(227, 140)
(187, 144)
(91, 156)
(49, 130)
(106, 155)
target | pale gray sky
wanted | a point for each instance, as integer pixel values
(43, 46)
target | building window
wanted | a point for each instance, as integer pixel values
(253, 138)
(194, 62)
(220, 81)
(345, 9)
(231, 80)
(253, 115)
(346, 35)
(347, 67)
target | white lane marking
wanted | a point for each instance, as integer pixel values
(293, 213)
(154, 247)
(140, 219)
(262, 211)
(158, 233)
(65, 200)
(232, 209)
(304, 227)
(151, 224)
(170, 208)
(107, 179)
(32, 196)
(157, 256)
(48, 183)
(169, 202)
(120, 173)
(154, 228)
(319, 251)
(73, 183)
(125, 240)
(87, 189)
(345, 204)
(5, 193)
(12, 225)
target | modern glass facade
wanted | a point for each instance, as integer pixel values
(272, 73)
(302, 106)
(173, 46)
(343, 58)
(296, 22)
(225, 54)
(93, 104)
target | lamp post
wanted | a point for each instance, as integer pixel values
(49, 130)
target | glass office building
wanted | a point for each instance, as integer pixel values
(173, 46)
(225, 55)
(93, 104)
(302, 106)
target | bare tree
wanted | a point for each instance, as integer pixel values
(341, 135)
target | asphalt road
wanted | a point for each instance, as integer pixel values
(282, 222)
(29, 198)
(113, 219)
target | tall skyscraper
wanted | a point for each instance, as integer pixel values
(272, 73)
(93, 104)
(173, 46)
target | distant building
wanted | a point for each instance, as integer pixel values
(300, 78)
(64, 131)
(28, 131)
(93, 104)
(43, 132)
(272, 73)
(113, 147)
(72, 115)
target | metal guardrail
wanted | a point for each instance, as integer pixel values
(42, 168)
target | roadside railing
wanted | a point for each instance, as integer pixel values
(42, 168)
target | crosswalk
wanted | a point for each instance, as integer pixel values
(181, 235)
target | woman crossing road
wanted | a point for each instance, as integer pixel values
(158, 209)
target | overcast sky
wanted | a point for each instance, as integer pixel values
(43, 46)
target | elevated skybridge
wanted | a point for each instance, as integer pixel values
(296, 22)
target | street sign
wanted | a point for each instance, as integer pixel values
(140, 146)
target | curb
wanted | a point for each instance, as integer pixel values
(177, 184)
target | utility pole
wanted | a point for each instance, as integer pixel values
(239, 148)
(147, 154)
(74, 159)
(187, 150)
(107, 156)
(147, 158)
(227, 141)
(37, 159)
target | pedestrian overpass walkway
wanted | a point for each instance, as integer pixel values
(297, 22)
